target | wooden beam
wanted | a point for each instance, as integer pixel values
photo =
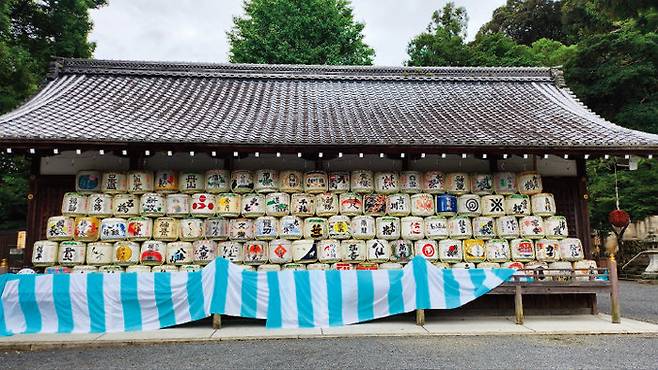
(518, 305)
(420, 317)
(216, 321)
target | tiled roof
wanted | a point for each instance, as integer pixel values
(281, 105)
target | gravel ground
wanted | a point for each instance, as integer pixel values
(638, 301)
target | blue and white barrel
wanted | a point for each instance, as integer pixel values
(446, 205)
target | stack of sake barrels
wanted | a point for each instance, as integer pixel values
(272, 220)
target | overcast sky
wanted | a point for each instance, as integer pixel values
(195, 30)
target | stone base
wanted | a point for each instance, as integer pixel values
(650, 275)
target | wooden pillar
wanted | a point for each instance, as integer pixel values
(615, 310)
(518, 305)
(583, 229)
(216, 321)
(32, 223)
(420, 317)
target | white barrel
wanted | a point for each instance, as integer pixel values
(507, 227)
(203, 205)
(86, 229)
(216, 228)
(326, 204)
(165, 229)
(422, 204)
(83, 269)
(401, 250)
(178, 205)
(140, 182)
(293, 267)
(374, 204)
(584, 269)
(291, 181)
(228, 205)
(217, 181)
(315, 228)
(179, 253)
(138, 268)
(99, 204)
(353, 250)
(190, 182)
(387, 182)
(166, 181)
(512, 265)
(411, 182)
(529, 183)
(398, 205)
(163, 268)
(563, 270)
(460, 227)
(412, 228)
(59, 228)
(482, 183)
(88, 182)
(488, 265)
(277, 204)
(362, 181)
(269, 267)
(484, 228)
(571, 249)
(532, 227)
(302, 204)
(152, 205)
(363, 227)
(304, 251)
(379, 250)
(338, 227)
(241, 229)
(350, 204)
(523, 250)
(339, 182)
(315, 182)
(436, 227)
(44, 253)
(139, 229)
(230, 250)
(493, 205)
(342, 266)
(446, 205)
(153, 253)
(451, 251)
(252, 205)
(291, 227)
(458, 183)
(125, 205)
(441, 265)
(74, 204)
(434, 182)
(428, 249)
(390, 266)
(242, 181)
(204, 251)
(114, 229)
(556, 227)
(388, 228)
(267, 181)
(266, 228)
(517, 205)
(111, 269)
(543, 204)
(329, 251)
(469, 205)
(504, 183)
(190, 229)
(547, 250)
(474, 250)
(99, 253)
(125, 253)
(497, 250)
(280, 251)
(114, 183)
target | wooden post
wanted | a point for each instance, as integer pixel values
(614, 291)
(518, 305)
(420, 317)
(216, 321)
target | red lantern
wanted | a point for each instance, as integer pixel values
(619, 218)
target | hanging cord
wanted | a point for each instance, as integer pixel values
(616, 185)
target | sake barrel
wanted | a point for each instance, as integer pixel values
(230, 250)
(179, 253)
(422, 204)
(125, 205)
(241, 229)
(463, 266)
(191, 182)
(497, 250)
(203, 205)
(140, 182)
(302, 204)
(139, 228)
(401, 250)
(57, 270)
(165, 268)
(44, 253)
(280, 251)
(388, 228)
(517, 205)
(482, 183)
(204, 251)
(398, 205)
(532, 227)
(88, 182)
(571, 249)
(326, 204)
(387, 182)
(178, 205)
(411, 182)
(315, 228)
(458, 183)
(428, 249)
(267, 181)
(99, 253)
(304, 251)
(362, 181)
(110, 269)
(469, 205)
(436, 227)
(368, 266)
(493, 205)
(152, 205)
(114, 183)
(99, 205)
(59, 228)
(125, 253)
(529, 183)
(329, 251)
(352, 250)
(315, 182)
(523, 250)
(166, 181)
(562, 270)
(190, 268)
(434, 182)
(165, 229)
(190, 229)
(374, 204)
(266, 228)
(339, 182)
(277, 204)
(504, 183)
(83, 269)
(507, 227)
(450, 251)
(114, 229)
(488, 265)
(217, 181)
(228, 205)
(138, 268)
(460, 227)
(216, 228)
(547, 250)
(585, 269)
(474, 250)
(268, 267)
(153, 252)
(242, 181)
(338, 227)
(446, 205)
(252, 205)
(412, 228)
(512, 265)
(74, 204)
(543, 204)
(291, 181)
(363, 227)
(555, 227)
(378, 250)
(351, 204)
(293, 267)
(86, 229)
(390, 266)
(484, 228)
(342, 266)
(441, 265)
(290, 227)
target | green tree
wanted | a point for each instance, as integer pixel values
(551, 53)
(298, 32)
(498, 49)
